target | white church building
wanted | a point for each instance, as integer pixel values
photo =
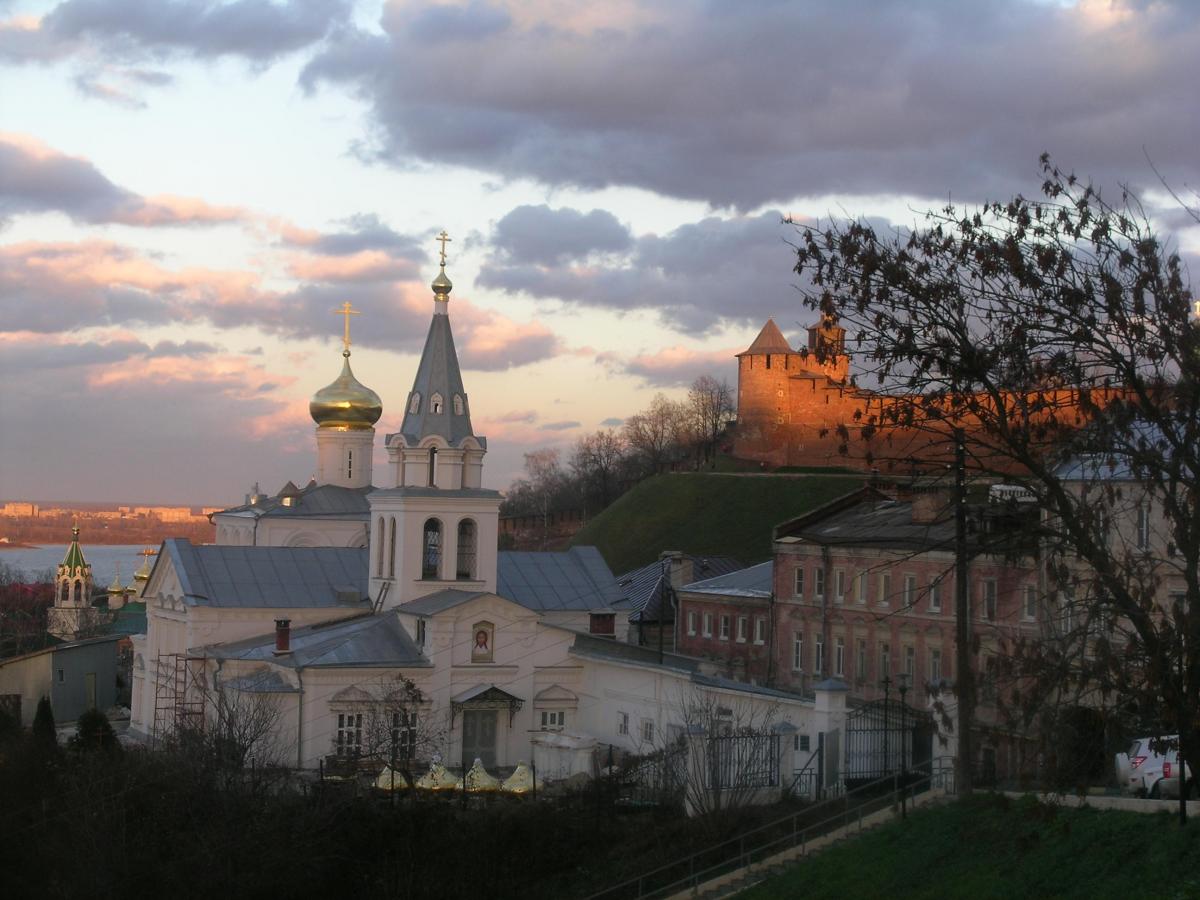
(348, 607)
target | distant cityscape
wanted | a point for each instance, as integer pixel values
(25, 522)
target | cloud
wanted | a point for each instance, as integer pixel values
(718, 270)
(259, 31)
(680, 366)
(612, 422)
(559, 426)
(366, 265)
(540, 235)
(35, 178)
(745, 105)
(361, 232)
(527, 416)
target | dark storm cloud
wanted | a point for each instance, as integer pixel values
(747, 104)
(736, 270)
(544, 236)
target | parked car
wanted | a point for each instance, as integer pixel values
(1150, 768)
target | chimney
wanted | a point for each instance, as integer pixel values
(283, 636)
(679, 567)
(930, 506)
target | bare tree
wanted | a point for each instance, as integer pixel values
(596, 463)
(1058, 336)
(400, 729)
(711, 405)
(655, 433)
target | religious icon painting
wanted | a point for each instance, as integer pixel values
(483, 634)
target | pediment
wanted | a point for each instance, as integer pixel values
(556, 693)
(352, 694)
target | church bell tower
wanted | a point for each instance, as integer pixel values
(72, 615)
(435, 527)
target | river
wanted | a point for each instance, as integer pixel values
(105, 558)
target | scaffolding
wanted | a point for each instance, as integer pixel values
(179, 692)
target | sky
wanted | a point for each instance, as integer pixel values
(188, 188)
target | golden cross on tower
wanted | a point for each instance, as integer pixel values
(443, 238)
(346, 312)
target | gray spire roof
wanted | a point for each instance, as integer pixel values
(438, 379)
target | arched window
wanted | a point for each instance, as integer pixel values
(380, 538)
(414, 405)
(435, 404)
(458, 405)
(465, 570)
(392, 550)
(77, 592)
(431, 556)
(433, 466)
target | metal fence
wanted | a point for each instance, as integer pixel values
(741, 761)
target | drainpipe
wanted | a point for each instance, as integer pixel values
(300, 720)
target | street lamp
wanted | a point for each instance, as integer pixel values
(902, 681)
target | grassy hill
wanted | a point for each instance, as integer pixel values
(992, 847)
(706, 514)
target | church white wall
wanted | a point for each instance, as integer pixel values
(344, 456)
(237, 531)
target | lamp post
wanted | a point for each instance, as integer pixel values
(902, 682)
(887, 686)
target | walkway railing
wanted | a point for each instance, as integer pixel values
(763, 841)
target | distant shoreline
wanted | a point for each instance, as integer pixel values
(11, 545)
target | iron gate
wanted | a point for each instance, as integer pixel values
(885, 738)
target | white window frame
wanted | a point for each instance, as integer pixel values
(553, 719)
(724, 624)
(910, 590)
(691, 622)
(623, 723)
(935, 665)
(839, 586)
(989, 605)
(798, 583)
(1143, 526)
(348, 736)
(1029, 609)
(863, 588)
(885, 660)
(798, 651)
(743, 629)
(818, 654)
(647, 731)
(708, 623)
(910, 662)
(818, 583)
(935, 594)
(760, 629)
(860, 660)
(885, 588)
(839, 656)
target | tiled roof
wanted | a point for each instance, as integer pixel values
(315, 500)
(267, 577)
(769, 340)
(439, 601)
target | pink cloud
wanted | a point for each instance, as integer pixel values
(678, 365)
(366, 265)
(168, 209)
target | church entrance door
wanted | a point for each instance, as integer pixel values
(479, 736)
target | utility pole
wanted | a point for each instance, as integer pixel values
(965, 678)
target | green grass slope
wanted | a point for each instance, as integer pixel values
(706, 514)
(992, 847)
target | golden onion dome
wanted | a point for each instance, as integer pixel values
(442, 284)
(346, 403)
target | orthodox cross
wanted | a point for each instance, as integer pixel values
(443, 238)
(346, 312)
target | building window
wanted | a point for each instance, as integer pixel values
(910, 662)
(691, 622)
(421, 625)
(885, 661)
(465, 570)
(798, 590)
(862, 588)
(404, 734)
(349, 464)
(431, 557)
(554, 719)
(392, 549)
(435, 404)
(819, 655)
(62, 676)
(839, 585)
(798, 651)
(1030, 602)
(935, 595)
(708, 625)
(839, 657)
(760, 630)
(724, 627)
(414, 404)
(623, 723)
(885, 588)
(647, 731)
(348, 740)
(989, 599)
(1143, 526)
(803, 743)
(381, 539)
(860, 660)
(743, 629)
(459, 408)
(910, 591)
(819, 584)
(603, 624)
(935, 665)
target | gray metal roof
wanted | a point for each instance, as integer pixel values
(314, 501)
(643, 587)
(438, 373)
(264, 681)
(755, 581)
(370, 640)
(880, 523)
(267, 577)
(575, 580)
(434, 603)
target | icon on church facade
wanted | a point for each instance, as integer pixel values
(481, 648)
